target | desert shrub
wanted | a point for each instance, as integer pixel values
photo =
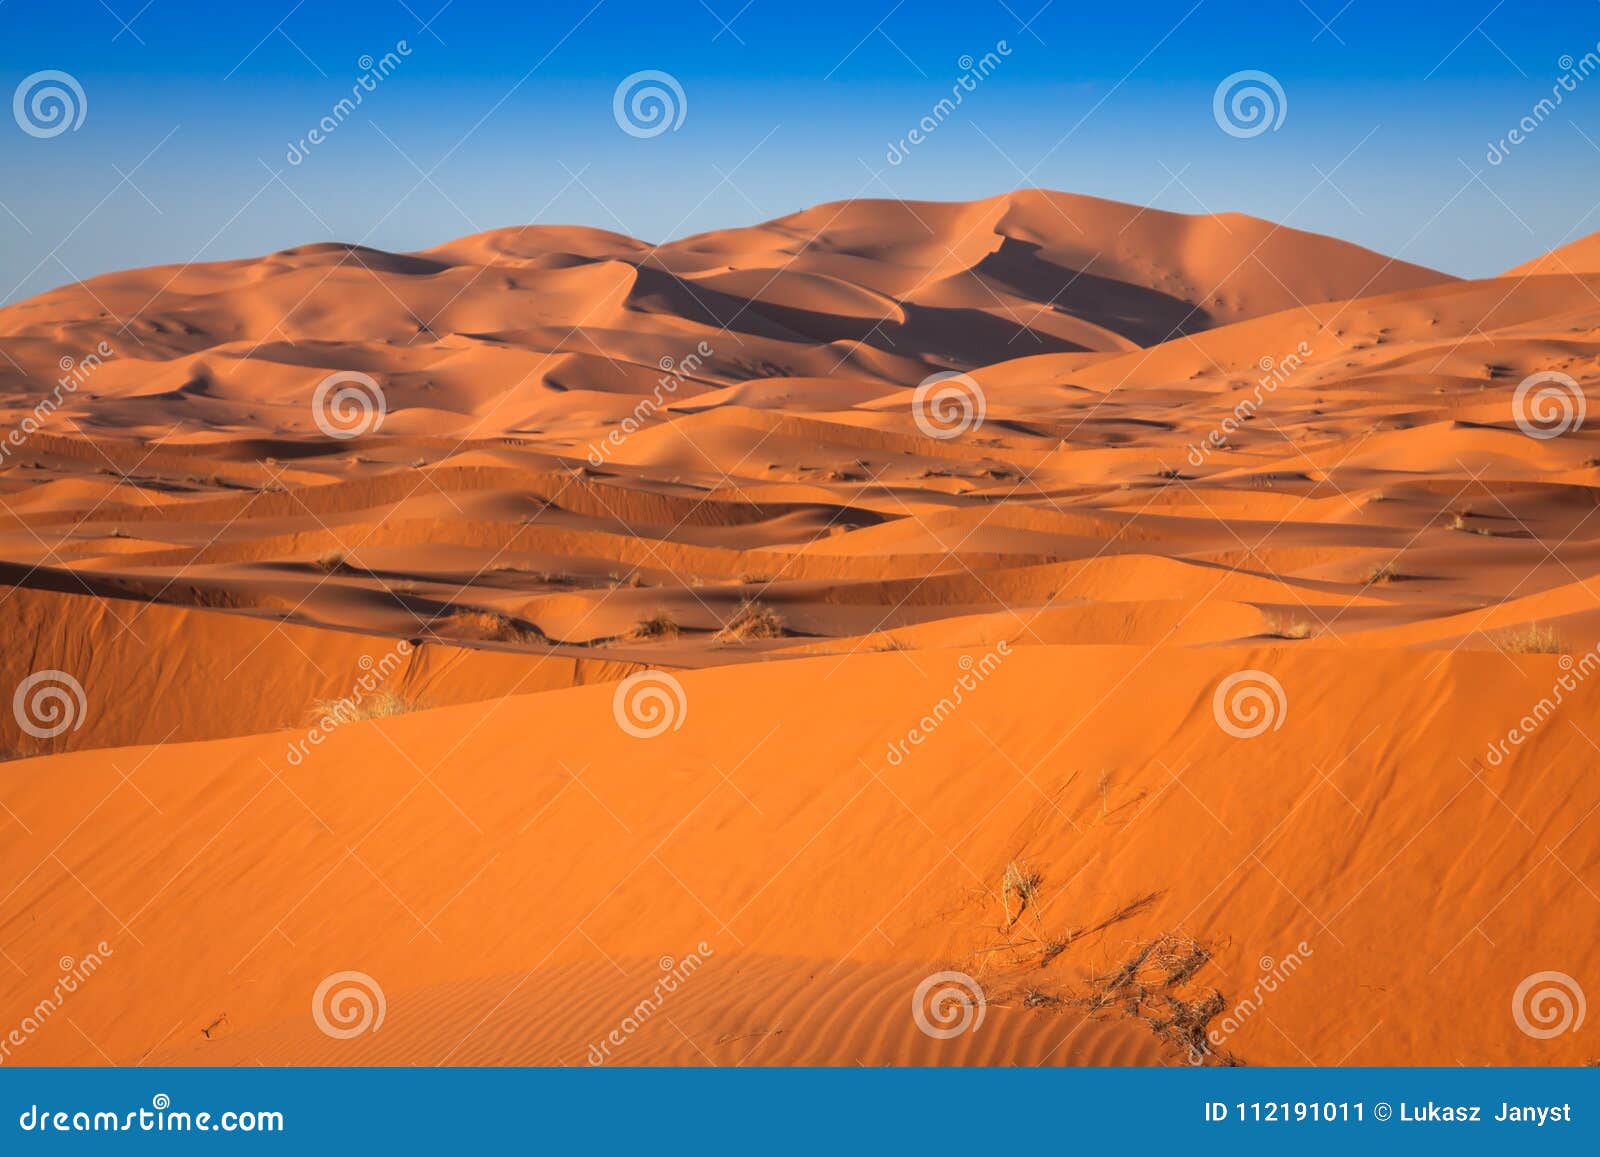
(752, 621)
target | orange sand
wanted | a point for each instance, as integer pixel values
(1112, 868)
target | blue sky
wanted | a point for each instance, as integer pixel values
(501, 114)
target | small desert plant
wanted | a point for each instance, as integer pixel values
(1149, 986)
(1018, 885)
(752, 621)
(1383, 574)
(1284, 628)
(1054, 946)
(1185, 1026)
(658, 626)
(378, 705)
(332, 562)
(387, 703)
(492, 625)
(1533, 639)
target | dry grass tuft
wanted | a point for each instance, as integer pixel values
(1184, 1027)
(333, 562)
(752, 621)
(658, 626)
(1533, 639)
(1148, 986)
(492, 626)
(1284, 628)
(887, 643)
(1157, 965)
(378, 705)
(1019, 888)
(1103, 789)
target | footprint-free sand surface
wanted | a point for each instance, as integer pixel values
(1204, 675)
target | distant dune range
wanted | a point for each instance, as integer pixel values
(1209, 444)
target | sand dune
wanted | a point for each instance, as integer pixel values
(1575, 258)
(886, 291)
(351, 704)
(514, 881)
